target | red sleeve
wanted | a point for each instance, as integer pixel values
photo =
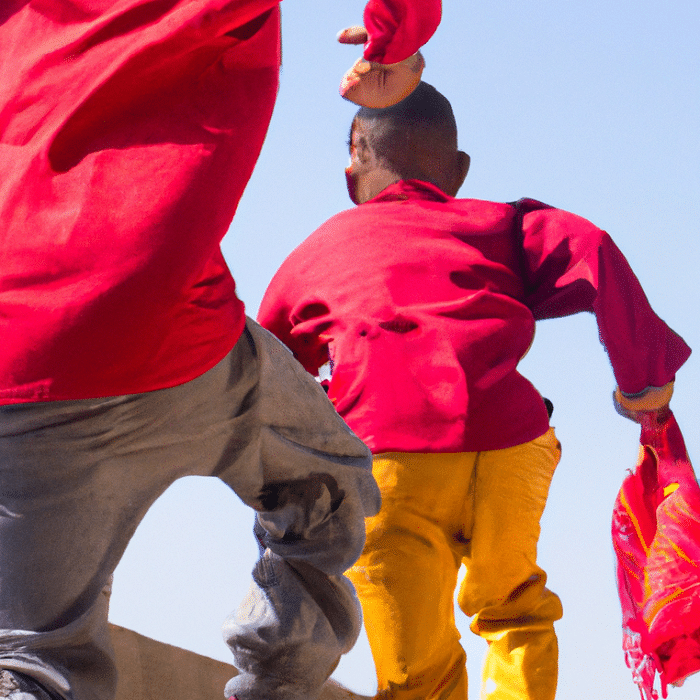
(398, 28)
(298, 323)
(571, 266)
(128, 131)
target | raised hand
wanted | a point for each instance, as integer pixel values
(377, 85)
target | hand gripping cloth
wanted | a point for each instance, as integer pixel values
(656, 536)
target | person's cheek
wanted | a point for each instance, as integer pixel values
(350, 182)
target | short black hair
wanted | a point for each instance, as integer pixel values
(425, 116)
(424, 106)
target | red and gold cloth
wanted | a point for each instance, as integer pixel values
(656, 535)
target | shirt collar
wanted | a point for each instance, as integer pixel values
(410, 189)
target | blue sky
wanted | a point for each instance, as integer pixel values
(592, 107)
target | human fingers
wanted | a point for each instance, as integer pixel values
(353, 35)
(378, 85)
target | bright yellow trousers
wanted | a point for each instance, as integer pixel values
(480, 509)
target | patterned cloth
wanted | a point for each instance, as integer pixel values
(656, 535)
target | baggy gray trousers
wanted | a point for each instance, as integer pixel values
(76, 478)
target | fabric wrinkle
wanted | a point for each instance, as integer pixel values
(302, 613)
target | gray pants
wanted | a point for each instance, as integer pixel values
(76, 478)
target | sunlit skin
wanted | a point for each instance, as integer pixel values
(376, 84)
(432, 158)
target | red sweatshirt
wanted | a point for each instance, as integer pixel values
(128, 131)
(425, 304)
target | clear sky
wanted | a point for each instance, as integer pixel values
(592, 107)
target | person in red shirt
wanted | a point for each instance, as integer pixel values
(423, 304)
(128, 131)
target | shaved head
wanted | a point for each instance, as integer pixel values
(423, 120)
(415, 139)
(425, 108)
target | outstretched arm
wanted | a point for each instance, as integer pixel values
(571, 266)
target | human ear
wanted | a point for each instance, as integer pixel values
(463, 163)
(459, 172)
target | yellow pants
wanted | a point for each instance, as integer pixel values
(480, 509)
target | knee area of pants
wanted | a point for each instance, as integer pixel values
(413, 535)
(409, 561)
(493, 592)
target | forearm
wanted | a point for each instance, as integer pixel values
(572, 266)
(644, 351)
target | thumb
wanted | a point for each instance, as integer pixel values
(353, 35)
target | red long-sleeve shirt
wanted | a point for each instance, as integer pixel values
(128, 131)
(425, 304)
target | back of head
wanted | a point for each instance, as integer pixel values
(411, 135)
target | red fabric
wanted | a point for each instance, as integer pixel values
(656, 535)
(398, 28)
(128, 131)
(425, 305)
(573, 266)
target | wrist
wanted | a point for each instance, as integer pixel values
(651, 399)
